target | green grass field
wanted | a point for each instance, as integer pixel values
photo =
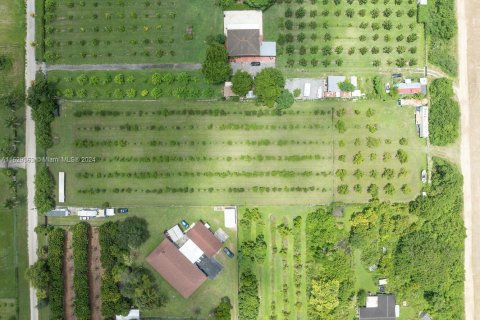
(14, 289)
(12, 38)
(325, 23)
(209, 294)
(171, 152)
(128, 31)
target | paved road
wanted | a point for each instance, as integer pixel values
(30, 150)
(468, 96)
(95, 67)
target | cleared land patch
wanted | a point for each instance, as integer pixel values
(210, 153)
(124, 31)
(338, 35)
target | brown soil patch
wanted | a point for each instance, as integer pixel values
(95, 274)
(68, 270)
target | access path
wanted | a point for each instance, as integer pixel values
(30, 149)
(468, 95)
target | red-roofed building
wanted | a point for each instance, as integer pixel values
(180, 273)
(204, 239)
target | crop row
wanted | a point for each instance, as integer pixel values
(56, 242)
(164, 112)
(220, 174)
(259, 189)
(80, 236)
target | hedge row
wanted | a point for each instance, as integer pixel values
(80, 234)
(56, 241)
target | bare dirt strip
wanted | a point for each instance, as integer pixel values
(95, 274)
(468, 13)
(68, 271)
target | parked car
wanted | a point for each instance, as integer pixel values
(387, 88)
(122, 210)
(255, 63)
(185, 224)
(424, 176)
(396, 75)
(228, 252)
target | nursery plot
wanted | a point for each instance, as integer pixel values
(282, 273)
(338, 35)
(127, 31)
(172, 152)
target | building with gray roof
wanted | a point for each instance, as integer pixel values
(379, 307)
(243, 42)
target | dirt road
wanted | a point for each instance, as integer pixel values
(468, 95)
(30, 149)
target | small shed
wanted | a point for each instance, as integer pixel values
(221, 235)
(174, 233)
(424, 316)
(230, 214)
(61, 187)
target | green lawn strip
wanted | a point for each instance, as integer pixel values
(131, 32)
(292, 297)
(303, 288)
(14, 253)
(280, 304)
(365, 279)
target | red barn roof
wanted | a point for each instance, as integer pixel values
(182, 275)
(204, 238)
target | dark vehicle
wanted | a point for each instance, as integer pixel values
(255, 63)
(228, 252)
(185, 224)
(122, 210)
(396, 75)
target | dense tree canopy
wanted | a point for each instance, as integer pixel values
(41, 97)
(260, 4)
(285, 100)
(242, 82)
(44, 186)
(324, 298)
(269, 85)
(222, 311)
(216, 68)
(444, 113)
(133, 232)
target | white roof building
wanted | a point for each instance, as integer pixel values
(110, 212)
(421, 120)
(134, 314)
(61, 187)
(243, 20)
(88, 213)
(191, 251)
(175, 233)
(372, 302)
(230, 214)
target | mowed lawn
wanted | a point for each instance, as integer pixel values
(209, 294)
(181, 153)
(12, 38)
(14, 289)
(129, 31)
(326, 24)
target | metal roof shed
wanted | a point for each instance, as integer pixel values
(61, 187)
(230, 215)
